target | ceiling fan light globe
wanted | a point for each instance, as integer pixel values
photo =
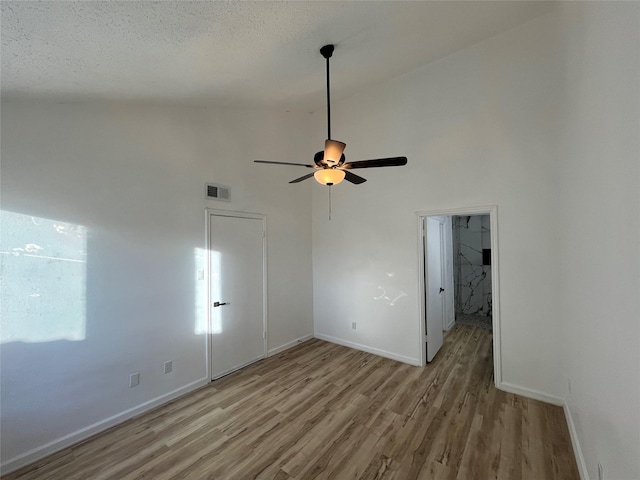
(333, 151)
(329, 176)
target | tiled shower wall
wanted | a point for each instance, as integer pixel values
(472, 279)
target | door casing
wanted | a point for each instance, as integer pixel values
(227, 213)
(492, 211)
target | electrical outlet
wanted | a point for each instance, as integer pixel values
(600, 471)
(168, 366)
(134, 379)
(353, 325)
(200, 275)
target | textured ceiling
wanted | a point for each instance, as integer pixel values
(237, 54)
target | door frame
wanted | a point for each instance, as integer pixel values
(209, 212)
(492, 211)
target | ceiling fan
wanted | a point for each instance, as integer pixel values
(329, 165)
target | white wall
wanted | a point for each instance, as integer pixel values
(475, 128)
(600, 232)
(134, 176)
(542, 121)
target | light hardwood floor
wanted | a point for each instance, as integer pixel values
(324, 411)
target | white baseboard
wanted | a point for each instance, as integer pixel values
(287, 346)
(530, 393)
(543, 397)
(65, 441)
(575, 443)
(86, 432)
(366, 348)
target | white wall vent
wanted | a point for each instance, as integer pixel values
(218, 192)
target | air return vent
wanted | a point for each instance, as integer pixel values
(218, 192)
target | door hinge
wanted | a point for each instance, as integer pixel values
(264, 335)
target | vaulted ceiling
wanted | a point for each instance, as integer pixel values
(235, 54)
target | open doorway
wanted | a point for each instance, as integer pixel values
(471, 247)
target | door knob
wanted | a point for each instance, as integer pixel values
(218, 304)
(441, 290)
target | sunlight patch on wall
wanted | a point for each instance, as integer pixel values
(215, 275)
(200, 258)
(212, 272)
(43, 271)
(389, 293)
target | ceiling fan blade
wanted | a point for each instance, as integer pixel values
(304, 177)
(378, 162)
(353, 178)
(286, 163)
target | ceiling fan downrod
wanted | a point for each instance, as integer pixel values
(329, 166)
(326, 52)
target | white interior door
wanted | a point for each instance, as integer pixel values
(434, 282)
(236, 268)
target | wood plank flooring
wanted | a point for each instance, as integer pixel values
(323, 411)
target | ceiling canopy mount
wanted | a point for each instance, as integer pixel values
(327, 51)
